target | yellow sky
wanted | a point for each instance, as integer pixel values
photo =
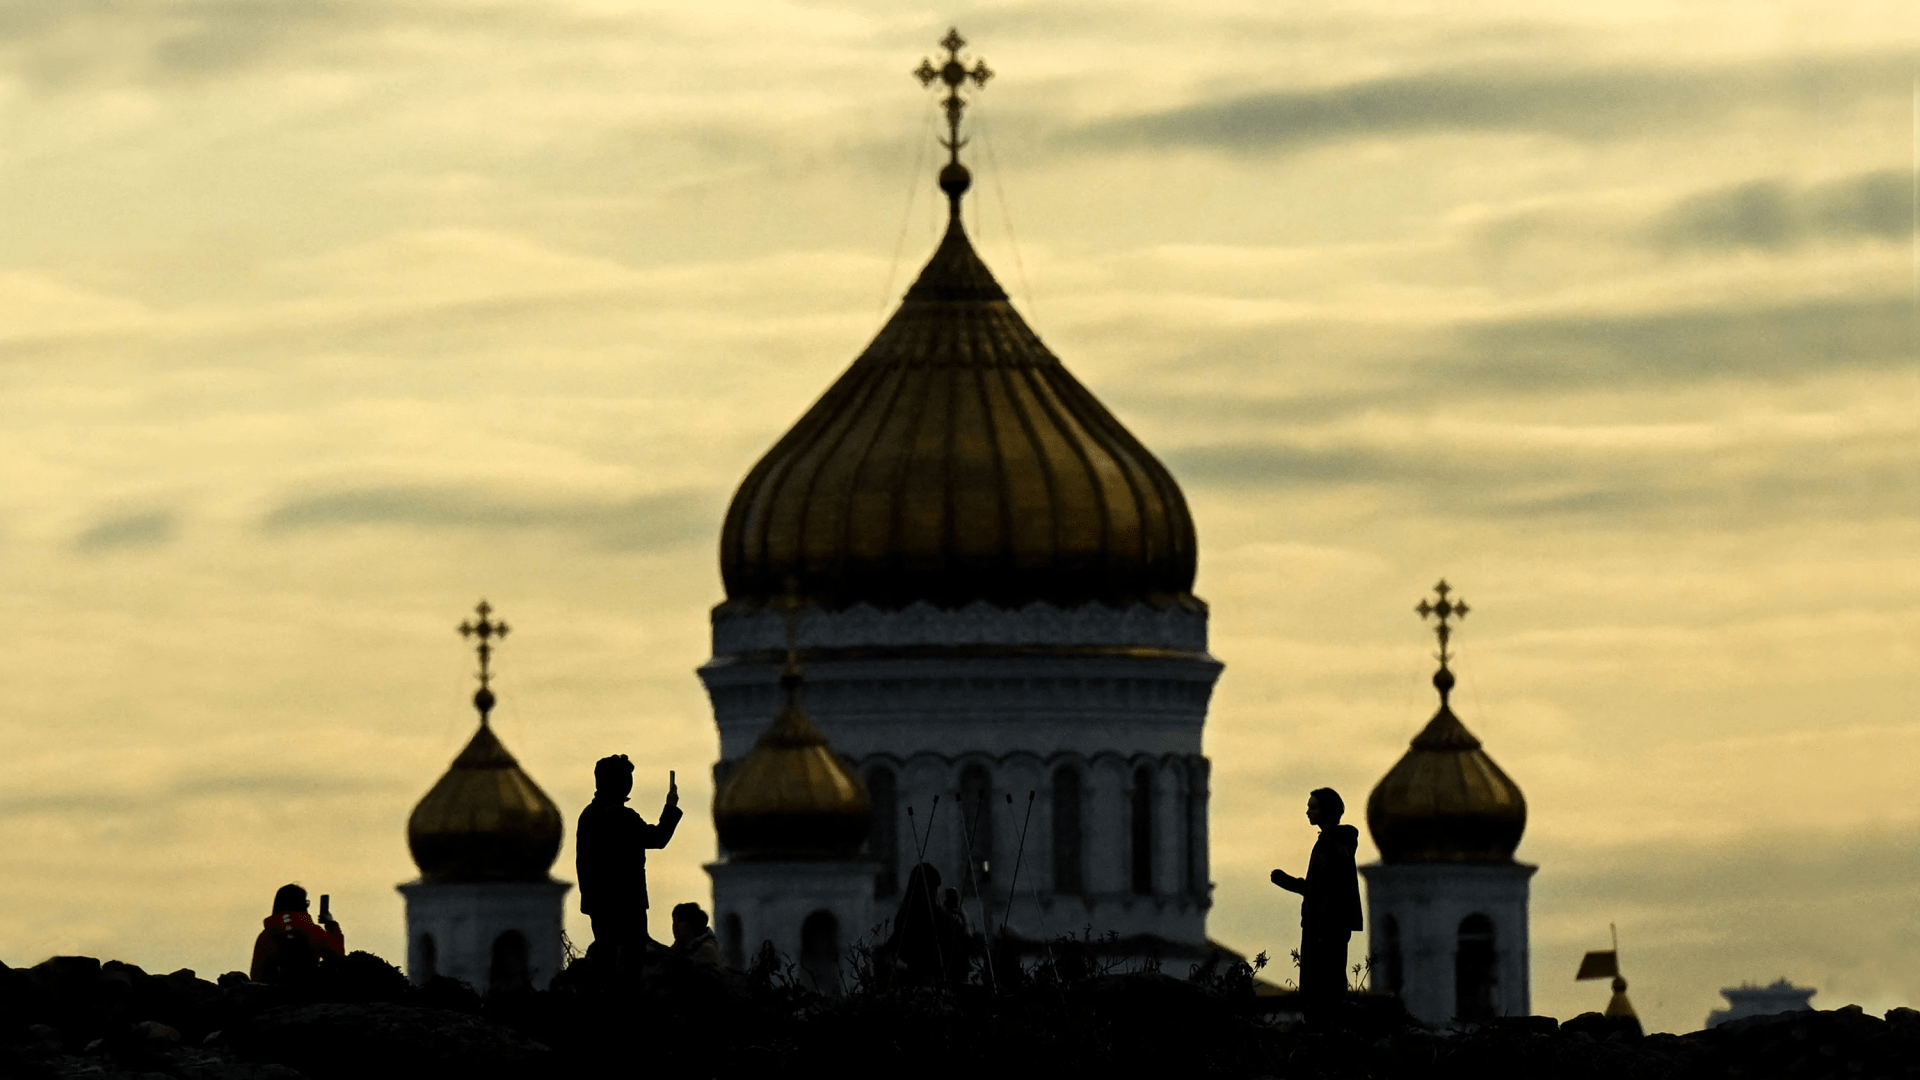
(317, 327)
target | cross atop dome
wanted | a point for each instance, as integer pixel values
(486, 630)
(954, 178)
(1443, 610)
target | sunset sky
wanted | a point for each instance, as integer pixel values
(321, 321)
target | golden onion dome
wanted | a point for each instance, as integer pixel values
(790, 797)
(485, 820)
(1446, 801)
(957, 460)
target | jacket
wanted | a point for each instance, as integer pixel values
(274, 955)
(610, 855)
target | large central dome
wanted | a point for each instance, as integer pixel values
(957, 461)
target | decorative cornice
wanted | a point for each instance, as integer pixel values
(933, 631)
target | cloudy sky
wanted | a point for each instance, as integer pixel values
(318, 322)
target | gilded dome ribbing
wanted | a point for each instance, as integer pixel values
(957, 460)
(485, 820)
(1445, 800)
(790, 797)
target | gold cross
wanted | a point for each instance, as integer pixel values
(486, 630)
(954, 74)
(1444, 610)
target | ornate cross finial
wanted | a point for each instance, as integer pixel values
(954, 74)
(1444, 610)
(486, 630)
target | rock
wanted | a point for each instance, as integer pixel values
(354, 1042)
(1602, 1028)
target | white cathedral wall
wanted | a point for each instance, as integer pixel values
(465, 920)
(1428, 902)
(771, 901)
(927, 693)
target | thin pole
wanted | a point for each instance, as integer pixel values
(919, 860)
(986, 917)
(1018, 855)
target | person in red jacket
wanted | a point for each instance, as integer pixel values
(290, 946)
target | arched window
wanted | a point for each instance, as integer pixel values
(1067, 837)
(976, 823)
(883, 837)
(1141, 831)
(1473, 970)
(427, 963)
(820, 951)
(1193, 869)
(733, 942)
(1393, 975)
(508, 972)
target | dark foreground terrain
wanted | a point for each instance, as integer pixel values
(74, 1016)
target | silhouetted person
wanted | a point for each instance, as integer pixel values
(290, 947)
(1329, 899)
(928, 945)
(610, 858)
(693, 939)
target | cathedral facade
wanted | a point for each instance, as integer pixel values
(988, 581)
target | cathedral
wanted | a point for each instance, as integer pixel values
(987, 582)
(959, 630)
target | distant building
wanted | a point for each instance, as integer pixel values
(485, 911)
(1446, 903)
(1749, 1000)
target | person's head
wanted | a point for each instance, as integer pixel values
(923, 878)
(1325, 807)
(613, 776)
(290, 898)
(689, 920)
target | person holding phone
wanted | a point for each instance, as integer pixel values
(290, 947)
(610, 858)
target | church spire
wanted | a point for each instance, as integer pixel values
(486, 630)
(953, 73)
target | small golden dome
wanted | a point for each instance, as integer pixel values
(1446, 801)
(957, 460)
(485, 820)
(790, 797)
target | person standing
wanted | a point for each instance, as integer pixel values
(290, 947)
(1329, 899)
(610, 857)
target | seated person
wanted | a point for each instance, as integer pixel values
(693, 939)
(290, 946)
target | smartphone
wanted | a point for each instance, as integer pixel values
(326, 900)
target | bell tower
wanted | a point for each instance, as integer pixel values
(485, 910)
(1447, 903)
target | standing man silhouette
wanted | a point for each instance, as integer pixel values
(610, 857)
(1329, 899)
